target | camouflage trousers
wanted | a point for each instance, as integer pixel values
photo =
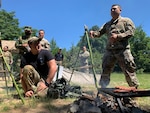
(32, 78)
(126, 62)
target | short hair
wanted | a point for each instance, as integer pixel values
(42, 30)
(116, 5)
(6, 47)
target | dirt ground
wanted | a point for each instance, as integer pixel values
(10, 104)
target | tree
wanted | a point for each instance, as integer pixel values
(140, 46)
(71, 60)
(9, 26)
(53, 45)
(98, 47)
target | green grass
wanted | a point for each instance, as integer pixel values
(118, 79)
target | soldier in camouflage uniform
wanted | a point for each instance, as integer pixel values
(22, 45)
(119, 30)
(8, 58)
(84, 55)
(7, 55)
(44, 43)
(22, 42)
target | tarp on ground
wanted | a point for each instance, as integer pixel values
(79, 77)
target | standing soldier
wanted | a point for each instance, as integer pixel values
(8, 57)
(22, 45)
(84, 55)
(44, 43)
(59, 57)
(119, 30)
(22, 42)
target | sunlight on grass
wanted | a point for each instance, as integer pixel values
(7, 103)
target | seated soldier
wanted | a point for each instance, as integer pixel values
(38, 68)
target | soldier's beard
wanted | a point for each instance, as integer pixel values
(28, 33)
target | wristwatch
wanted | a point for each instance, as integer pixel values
(47, 84)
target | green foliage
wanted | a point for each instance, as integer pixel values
(97, 59)
(140, 46)
(9, 26)
(10, 30)
(71, 57)
(53, 46)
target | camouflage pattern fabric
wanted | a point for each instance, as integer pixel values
(123, 27)
(125, 61)
(32, 78)
(19, 45)
(62, 89)
(8, 57)
(118, 50)
(84, 61)
(45, 44)
(24, 40)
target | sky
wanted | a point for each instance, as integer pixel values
(64, 20)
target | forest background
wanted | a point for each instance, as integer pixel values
(140, 45)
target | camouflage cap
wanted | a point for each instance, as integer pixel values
(34, 40)
(28, 28)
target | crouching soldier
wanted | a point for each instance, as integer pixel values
(38, 68)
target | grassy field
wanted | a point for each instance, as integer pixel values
(119, 79)
(9, 104)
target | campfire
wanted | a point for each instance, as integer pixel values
(110, 100)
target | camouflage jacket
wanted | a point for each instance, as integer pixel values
(8, 57)
(19, 44)
(84, 57)
(45, 44)
(123, 27)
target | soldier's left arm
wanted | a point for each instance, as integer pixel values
(129, 30)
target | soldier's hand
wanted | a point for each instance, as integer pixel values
(29, 93)
(91, 34)
(21, 75)
(113, 38)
